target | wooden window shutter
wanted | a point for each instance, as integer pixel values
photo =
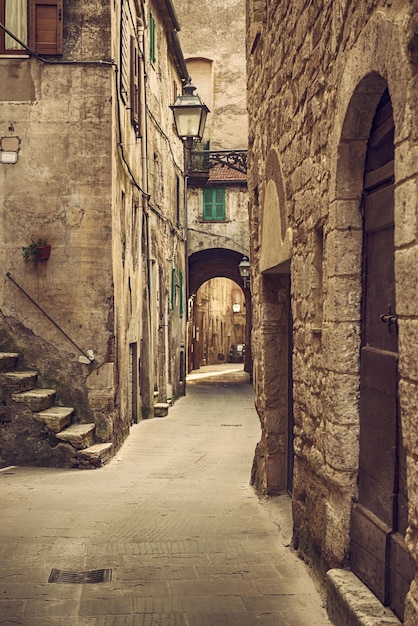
(46, 26)
(207, 204)
(124, 57)
(219, 204)
(135, 86)
(214, 204)
(152, 38)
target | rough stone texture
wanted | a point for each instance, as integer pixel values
(95, 456)
(102, 191)
(78, 435)
(213, 39)
(316, 72)
(350, 603)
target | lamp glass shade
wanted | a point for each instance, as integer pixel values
(244, 268)
(189, 115)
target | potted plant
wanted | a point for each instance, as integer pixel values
(39, 250)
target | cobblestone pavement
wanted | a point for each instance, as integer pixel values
(173, 518)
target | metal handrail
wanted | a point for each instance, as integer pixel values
(10, 277)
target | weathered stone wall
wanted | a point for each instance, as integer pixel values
(231, 233)
(315, 76)
(214, 30)
(82, 181)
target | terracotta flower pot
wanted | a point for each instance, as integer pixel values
(43, 252)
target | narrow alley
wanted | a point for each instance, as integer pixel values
(170, 532)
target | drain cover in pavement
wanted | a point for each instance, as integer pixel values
(80, 578)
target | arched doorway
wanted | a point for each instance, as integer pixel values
(220, 263)
(379, 519)
(217, 324)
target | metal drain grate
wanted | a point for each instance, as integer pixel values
(80, 578)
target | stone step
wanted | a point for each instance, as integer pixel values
(8, 361)
(36, 399)
(95, 456)
(161, 409)
(19, 381)
(80, 436)
(351, 603)
(56, 418)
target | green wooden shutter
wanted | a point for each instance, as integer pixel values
(173, 288)
(214, 204)
(207, 204)
(181, 293)
(219, 201)
(151, 38)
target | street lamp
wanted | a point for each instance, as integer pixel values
(244, 270)
(189, 117)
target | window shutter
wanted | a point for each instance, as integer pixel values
(124, 56)
(214, 204)
(219, 204)
(207, 204)
(46, 26)
(135, 85)
(152, 38)
(181, 293)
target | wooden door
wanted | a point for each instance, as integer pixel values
(378, 523)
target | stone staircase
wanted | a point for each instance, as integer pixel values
(18, 387)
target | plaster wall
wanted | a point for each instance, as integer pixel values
(231, 233)
(215, 31)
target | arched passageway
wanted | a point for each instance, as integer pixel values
(215, 263)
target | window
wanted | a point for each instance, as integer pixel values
(135, 86)
(152, 38)
(37, 23)
(178, 207)
(214, 204)
(130, 70)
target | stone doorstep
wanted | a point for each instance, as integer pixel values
(8, 360)
(78, 435)
(56, 418)
(95, 456)
(161, 409)
(20, 381)
(36, 399)
(351, 603)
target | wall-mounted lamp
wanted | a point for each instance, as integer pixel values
(244, 270)
(190, 118)
(236, 308)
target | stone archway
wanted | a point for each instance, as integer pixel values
(273, 463)
(221, 263)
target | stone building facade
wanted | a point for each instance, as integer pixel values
(90, 162)
(333, 131)
(213, 40)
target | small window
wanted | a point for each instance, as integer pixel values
(214, 204)
(124, 55)
(178, 206)
(40, 28)
(14, 15)
(152, 38)
(135, 90)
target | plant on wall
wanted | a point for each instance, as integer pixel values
(39, 250)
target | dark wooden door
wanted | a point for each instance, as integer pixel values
(378, 523)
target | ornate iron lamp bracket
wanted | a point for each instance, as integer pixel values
(206, 159)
